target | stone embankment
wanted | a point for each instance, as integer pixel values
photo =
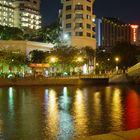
(52, 81)
(121, 78)
(122, 135)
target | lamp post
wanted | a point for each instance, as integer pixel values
(117, 60)
(52, 61)
(79, 61)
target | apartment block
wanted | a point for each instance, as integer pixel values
(6, 13)
(78, 23)
(20, 13)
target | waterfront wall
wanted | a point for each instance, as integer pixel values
(51, 81)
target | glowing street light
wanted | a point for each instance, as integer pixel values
(79, 59)
(79, 62)
(117, 60)
(53, 59)
(66, 36)
(97, 64)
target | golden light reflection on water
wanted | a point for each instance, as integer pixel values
(108, 94)
(52, 117)
(116, 110)
(97, 106)
(80, 113)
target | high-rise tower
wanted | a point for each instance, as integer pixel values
(78, 23)
(27, 14)
(20, 13)
(6, 13)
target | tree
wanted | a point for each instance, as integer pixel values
(37, 56)
(89, 54)
(51, 33)
(127, 54)
(104, 60)
(66, 58)
(13, 33)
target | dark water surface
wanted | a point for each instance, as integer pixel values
(49, 113)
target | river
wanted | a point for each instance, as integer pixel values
(62, 113)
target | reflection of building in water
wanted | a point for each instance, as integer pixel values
(80, 113)
(96, 117)
(52, 114)
(116, 111)
(132, 111)
(1, 128)
(65, 122)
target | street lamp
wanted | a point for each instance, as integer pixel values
(117, 60)
(66, 36)
(97, 64)
(79, 61)
(52, 61)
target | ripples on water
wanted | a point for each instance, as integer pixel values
(43, 113)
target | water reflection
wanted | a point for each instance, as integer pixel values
(80, 113)
(52, 114)
(116, 110)
(132, 111)
(62, 113)
(11, 100)
(96, 117)
(65, 122)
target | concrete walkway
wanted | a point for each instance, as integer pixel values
(122, 135)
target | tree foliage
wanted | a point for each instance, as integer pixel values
(11, 33)
(50, 33)
(37, 56)
(126, 53)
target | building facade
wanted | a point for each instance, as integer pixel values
(20, 13)
(27, 14)
(112, 30)
(6, 13)
(78, 23)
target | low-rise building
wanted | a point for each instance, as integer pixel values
(24, 46)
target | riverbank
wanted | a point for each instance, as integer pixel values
(32, 81)
(121, 135)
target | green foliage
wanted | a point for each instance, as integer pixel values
(11, 33)
(50, 33)
(127, 54)
(37, 56)
(104, 59)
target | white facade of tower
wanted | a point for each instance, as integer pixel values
(78, 23)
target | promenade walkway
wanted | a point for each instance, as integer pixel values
(122, 135)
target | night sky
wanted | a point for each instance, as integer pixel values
(126, 10)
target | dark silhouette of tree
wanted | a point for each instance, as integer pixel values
(11, 33)
(37, 56)
(50, 33)
(126, 53)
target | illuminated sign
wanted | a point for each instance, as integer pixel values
(33, 65)
(134, 28)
